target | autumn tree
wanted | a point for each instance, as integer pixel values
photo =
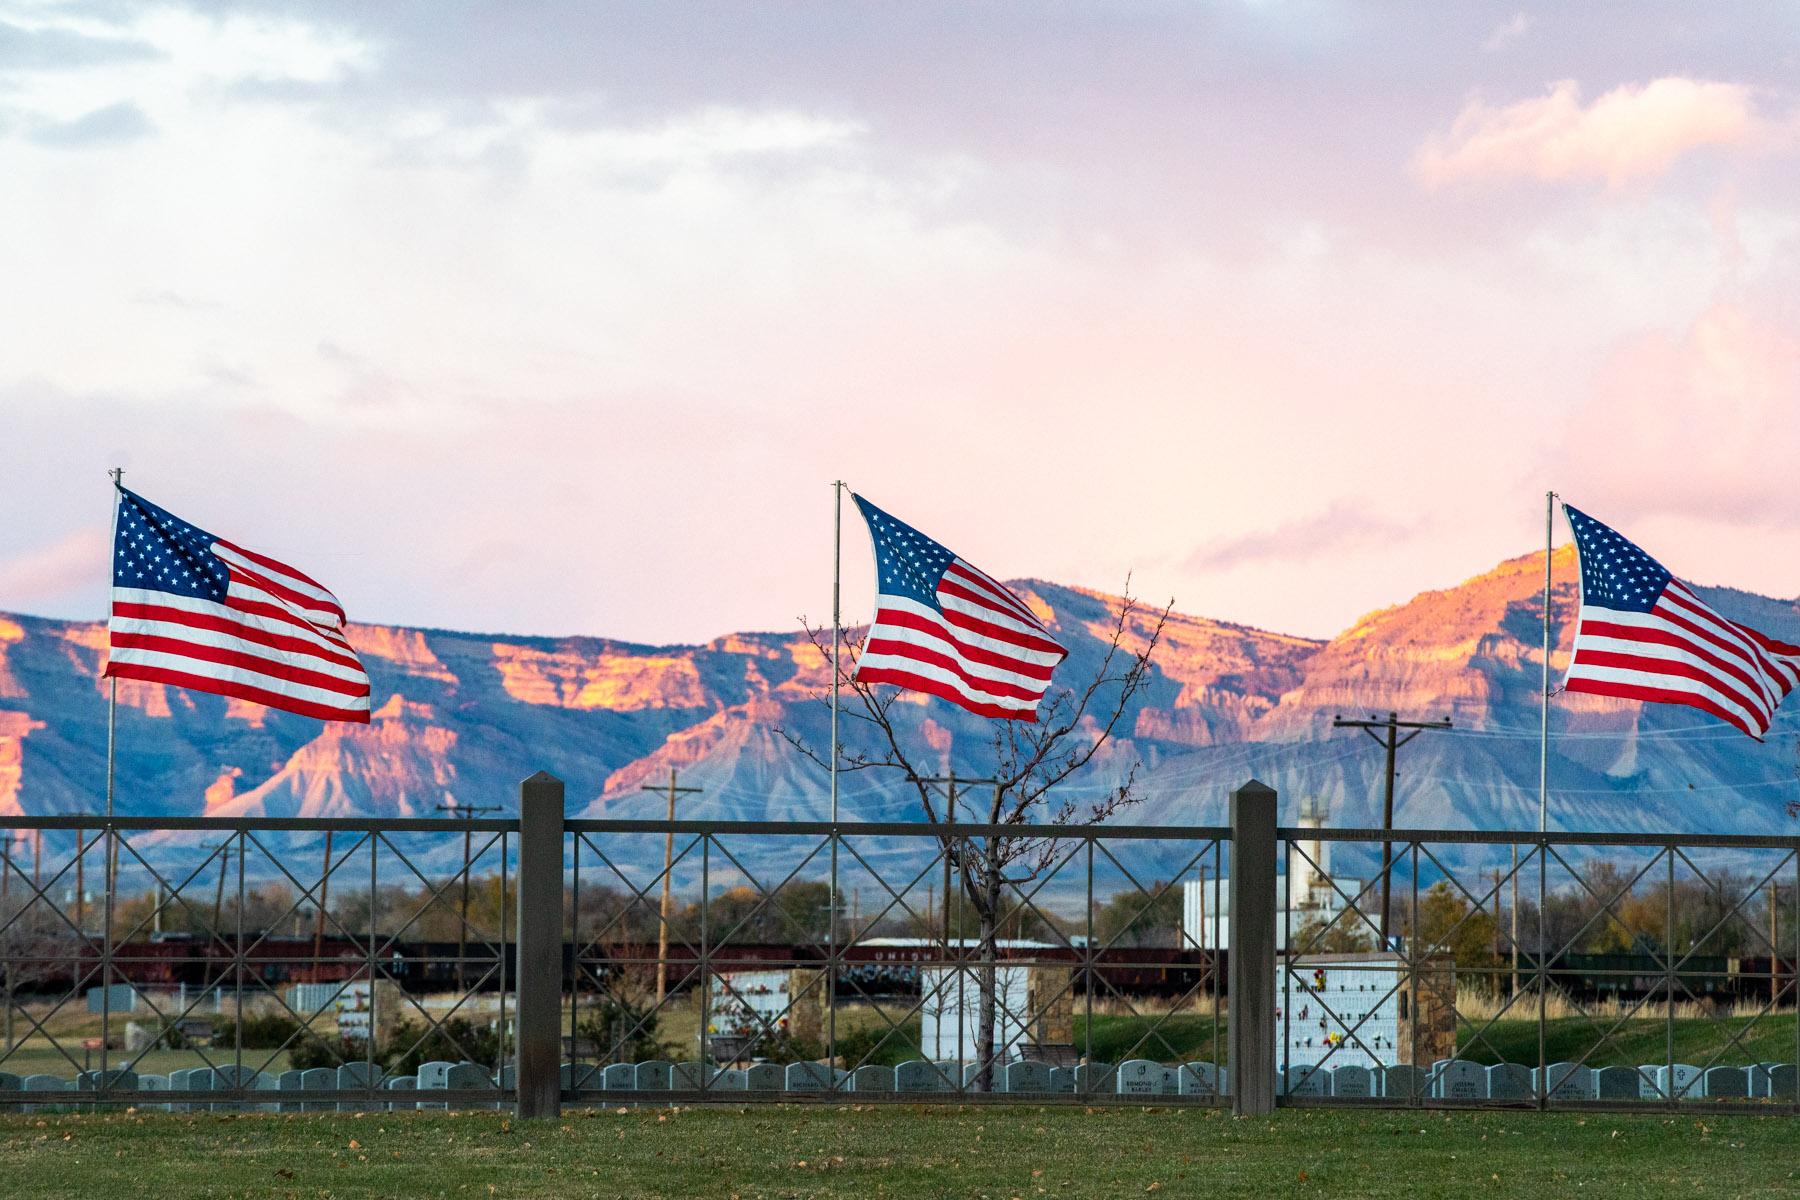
(1023, 764)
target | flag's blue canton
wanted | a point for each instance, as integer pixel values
(1614, 572)
(906, 561)
(158, 551)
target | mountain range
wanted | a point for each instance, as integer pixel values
(462, 717)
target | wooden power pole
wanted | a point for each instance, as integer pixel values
(467, 812)
(662, 924)
(1390, 740)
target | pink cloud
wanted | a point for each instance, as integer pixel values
(75, 562)
(1696, 425)
(1632, 132)
(1342, 525)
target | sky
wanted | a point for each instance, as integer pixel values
(563, 318)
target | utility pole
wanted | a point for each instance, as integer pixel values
(468, 812)
(319, 917)
(6, 846)
(662, 924)
(81, 848)
(1391, 741)
(949, 838)
(224, 849)
(1774, 940)
(1515, 920)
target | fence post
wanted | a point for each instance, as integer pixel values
(538, 974)
(1250, 965)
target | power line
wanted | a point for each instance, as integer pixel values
(1392, 741)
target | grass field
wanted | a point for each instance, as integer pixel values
(901, 1152)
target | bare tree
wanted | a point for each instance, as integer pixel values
(1026, 762)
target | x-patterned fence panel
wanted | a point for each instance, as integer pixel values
(262, 963)
(1565, 970)
(896, 962)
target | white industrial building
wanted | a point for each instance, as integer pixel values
(1306, 892)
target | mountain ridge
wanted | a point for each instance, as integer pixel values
(462, 716)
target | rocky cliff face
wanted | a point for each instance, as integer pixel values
(462, 717)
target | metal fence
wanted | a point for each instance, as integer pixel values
(534, 961)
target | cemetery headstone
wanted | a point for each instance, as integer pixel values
(687, 1077)
(1197, 1079)
(1095, 1078)
(1356, 1082)
(730, 1079)
(652, 1076)
(1759, 1078)
(1567, 1081)
(764, 1077)
(1402, 1082)
(1305, 1079)
(808, 1077)
(1459, 1079)
(286, 1081)
(1062, 1080)
(918, 1075)
(402, 1083)
(468, 1077)
(580, 1077)
(155, 1083)
(118, 1079)
(1725, 1083)
(619, 1077)
(1618, 1083)
(1509, 1081)
(358, 1077)
(434, 1077)
(318, 1079)
(1028, 1077)
(1783, 1079)
(1681, 1083)
(1141, 1077)
(42, 1083)
(872, 1077)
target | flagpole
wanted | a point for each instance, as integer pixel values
(112, 700)
(1544, 698)
(837, 579)
(837, 622)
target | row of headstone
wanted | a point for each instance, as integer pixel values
(1138, 1077)
(1460, 1079)
(1447, 1079)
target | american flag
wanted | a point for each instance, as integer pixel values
(1644, 635)
(944, 627)
(196, 611)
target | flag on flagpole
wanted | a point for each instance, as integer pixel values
(944, 627)
(1642, 634)
(196, 611)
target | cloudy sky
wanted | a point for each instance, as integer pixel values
(561, 318)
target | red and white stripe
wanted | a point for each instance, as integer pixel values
(1683, 652)
(277, 639)
(984, 650)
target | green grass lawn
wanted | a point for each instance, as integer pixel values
(846, 1150)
